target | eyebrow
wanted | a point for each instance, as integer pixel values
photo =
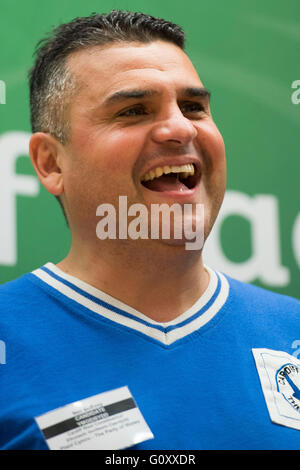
(122, 95)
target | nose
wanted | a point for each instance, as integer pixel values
(174, 127)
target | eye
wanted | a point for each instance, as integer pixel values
(133, 111)
(192, 107)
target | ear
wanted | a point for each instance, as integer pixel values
(45, 154)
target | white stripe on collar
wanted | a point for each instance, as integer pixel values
(168, 332)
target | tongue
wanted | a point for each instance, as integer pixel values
(166, 183)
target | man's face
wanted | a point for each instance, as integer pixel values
(117, 139)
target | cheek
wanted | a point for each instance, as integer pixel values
(102, 162)
(115, 152)
(212, 145)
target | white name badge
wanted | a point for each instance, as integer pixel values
(279, 374)
(109, 421)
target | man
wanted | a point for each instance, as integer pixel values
(118, 110)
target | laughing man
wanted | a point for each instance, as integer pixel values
(118, 109)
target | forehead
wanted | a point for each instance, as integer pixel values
(104, 70)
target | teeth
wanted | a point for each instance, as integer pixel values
(185, 170)
(158, 172)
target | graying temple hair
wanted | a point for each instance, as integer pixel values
(53, 103)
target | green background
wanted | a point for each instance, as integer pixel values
(246, 53)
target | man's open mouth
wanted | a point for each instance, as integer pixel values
(171, 178)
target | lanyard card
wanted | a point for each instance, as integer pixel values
(109, 420)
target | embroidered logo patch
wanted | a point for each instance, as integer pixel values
(279, 375)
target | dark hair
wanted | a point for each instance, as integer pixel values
(52, 85)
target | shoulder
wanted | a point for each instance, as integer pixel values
(262, 307)
(26, 311)
(20, 286)
(19, 296)
(258, 296)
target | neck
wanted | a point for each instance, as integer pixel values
(161, 282)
